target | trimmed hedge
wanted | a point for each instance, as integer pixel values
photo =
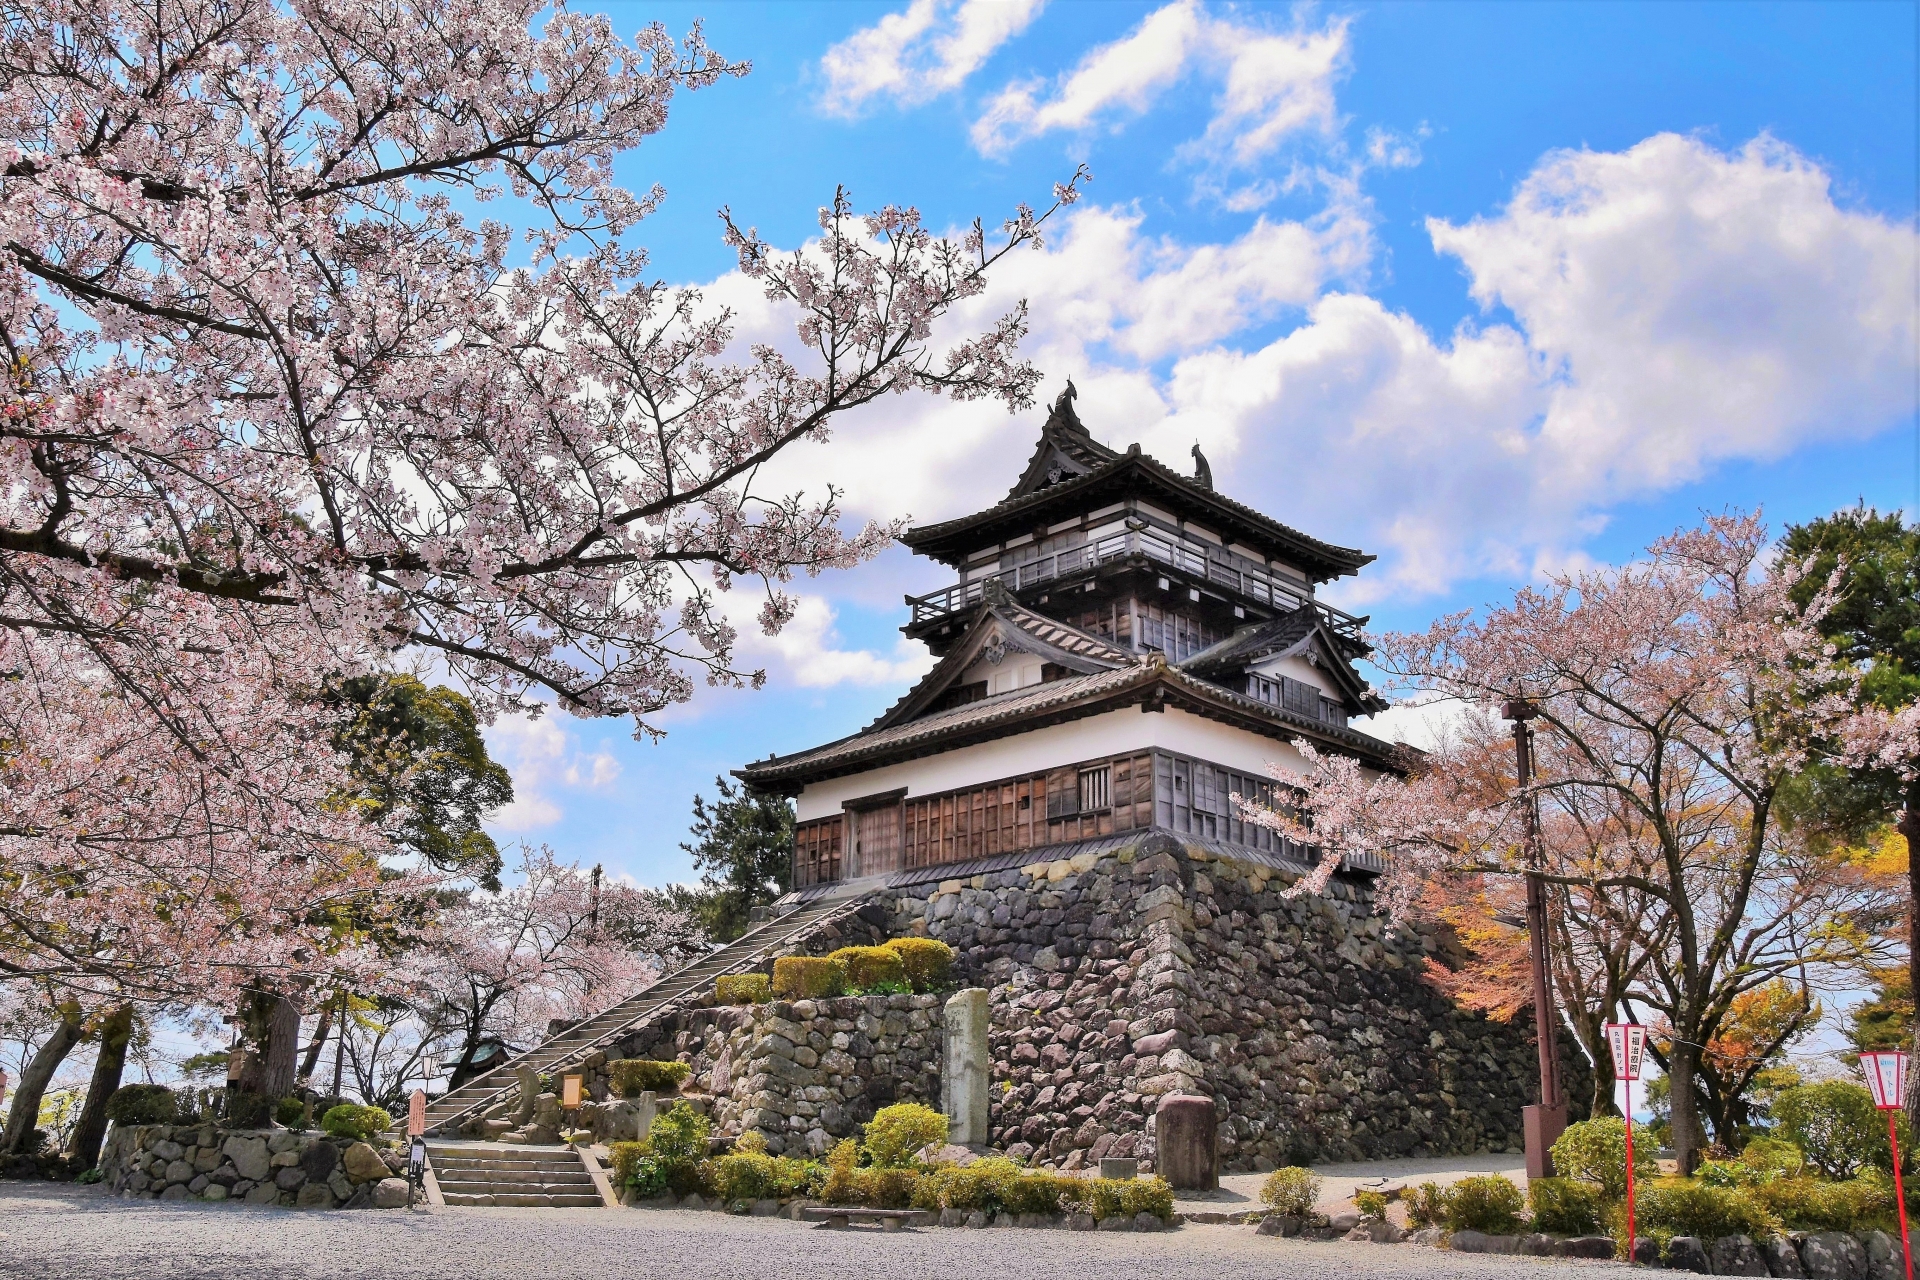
(1122, 1197)
(143, 1104)
(755, 1175)
(1803, 1204)
(808, 978)
(1489, 1203)
(743, 988)
(1595, 1151)
(928, 962)
(1672, 1207)
(873, 970)
(632, 1077)
(896, 1132)
(350, 1120)
(1566, 1207)
(1292, 1191)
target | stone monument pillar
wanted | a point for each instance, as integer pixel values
(529, 1095)
(1187, 1142)
(965, 1063)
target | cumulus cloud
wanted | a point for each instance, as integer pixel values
(545, 759)
(1272, 85)
(1673, 306)
(918, 54)
(808, 651)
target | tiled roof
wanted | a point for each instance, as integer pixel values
(1067, 638)
(1251, 643)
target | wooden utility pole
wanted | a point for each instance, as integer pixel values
(1545, 1120)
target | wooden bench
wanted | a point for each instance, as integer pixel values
(839, 1215)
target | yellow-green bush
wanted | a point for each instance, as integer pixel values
(873, 969)
(1489, 1203)
(1371, 1204)
(632, 1077)
(1803, 1204)
(1035, 1190)
(841, 1185)
(755, 1175)
(1426, 1205)
(1123, 1197)
(994, 1185)
(1566, 1207)
(1595, 1151)
(928, 961)
(743, 988)
(1835, 1125)
(809, 977)
(896, 1132)
(885, 1188)
(1292, 1191)
(351, 1121)
(1671, 1207)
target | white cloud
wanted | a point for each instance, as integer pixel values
(1673, 307)
(1272, 85)
(544, 757)
(807, 651)
(919, 54)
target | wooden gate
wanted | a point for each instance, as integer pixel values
(876, 838)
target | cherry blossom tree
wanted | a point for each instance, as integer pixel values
(280, 406)
(1673, 698)
(548, 947)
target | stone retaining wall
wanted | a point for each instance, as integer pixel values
(1156, 967)
(254, 1166)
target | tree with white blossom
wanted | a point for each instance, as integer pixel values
(280, 407)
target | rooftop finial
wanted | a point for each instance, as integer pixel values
(1063, 408)
(1201, 471)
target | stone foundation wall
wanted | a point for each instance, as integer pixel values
(255, 1166)
(805, 1073)
(1156, 967)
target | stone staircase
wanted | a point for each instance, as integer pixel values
(571, 1047)
(520, 1177)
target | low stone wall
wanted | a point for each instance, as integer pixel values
(805, 1073)
(1155, 966)
(253, 1166)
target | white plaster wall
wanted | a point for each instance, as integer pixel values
(1113, 733)
(1300, 669)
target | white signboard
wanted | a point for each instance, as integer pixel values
(1628, 1041)
(1886, 1075)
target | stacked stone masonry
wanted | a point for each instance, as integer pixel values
(1153, 967)
(252, 1166)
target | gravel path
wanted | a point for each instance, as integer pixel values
(54, 1232)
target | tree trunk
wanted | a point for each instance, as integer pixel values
(1910, 828)
(1606, 1100)
(1689, 1138)
(320, 1030)
(116, 1032)
(273, 1032)
(25, 1115)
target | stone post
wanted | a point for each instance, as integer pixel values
(966, 1059)
(529, 1095)
(1187, 1142)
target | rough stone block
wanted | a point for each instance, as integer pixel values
(390, 1193)
(1188, 1154)
(1737, 1256)
(1783, 1258)
(1122, 1168)
(362, 1163)
(319, 1160)
(1885, 1261)
(249, 1156)
(1688, 1253)
(314, 1195)
(1584, 1247)
(1834, 1255)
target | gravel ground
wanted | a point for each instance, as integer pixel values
(53, 1232)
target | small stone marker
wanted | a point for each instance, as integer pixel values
(529, 1092)
(1124, 1169)
(1188, 1142)
(965, 1062)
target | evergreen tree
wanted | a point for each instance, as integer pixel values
(743, 848)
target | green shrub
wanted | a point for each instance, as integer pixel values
(632, 1077)
(1426, 1205)
(1773, 1158)
(143, 1104)
(1803, 1204)
(1034, 1190)
(1371, 1204)
(873, 969)
(896, 1132)
(1595, 1151)
(1565, 1207)
(743, 988)
(885, 1188)
(808, 978)
(679, 1137)
(1835, 1126)
(1489, 1203)
(980, 1185)
(843, 1166)
(1122, 1197)
(754, 1175)
(928, 961)
(623, 1157)
(350, 1120)
(247, 1110)
(1292, 1191)
(1669, 1207)
(88, 1177)
(291, 1113)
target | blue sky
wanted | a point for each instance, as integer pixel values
(1485, 289)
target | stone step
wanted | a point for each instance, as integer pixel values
(509, 1200)
(498, 1186)
(462, 1173)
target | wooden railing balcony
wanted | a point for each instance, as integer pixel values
(1189, 558)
